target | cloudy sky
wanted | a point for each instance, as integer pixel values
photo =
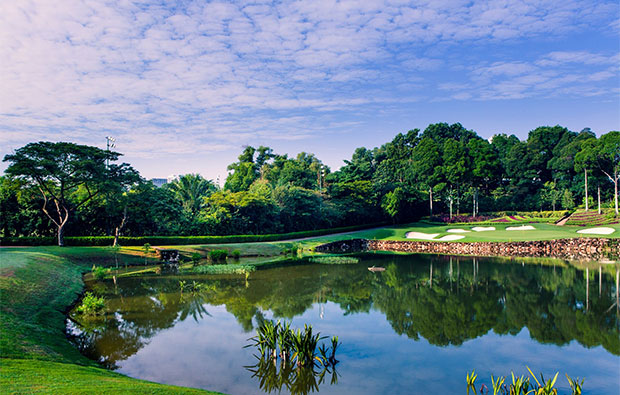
(183, 85)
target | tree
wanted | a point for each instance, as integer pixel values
(190, 189)
(426, 160)
(608, 160)
(567, 200)
(59, 170)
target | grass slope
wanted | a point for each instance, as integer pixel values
(37, 285)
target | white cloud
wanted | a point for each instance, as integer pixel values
(216, 72)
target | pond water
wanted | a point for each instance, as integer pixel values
(417, 327)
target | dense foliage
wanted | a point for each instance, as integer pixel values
(444, 170)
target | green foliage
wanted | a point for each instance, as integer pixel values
(334, 260)
(91, 304)
(99, 272)
(575, 385)
(176, 240)
(568, 202)
(236, 254)
(218, 256)
(299, 346)
(195, 258)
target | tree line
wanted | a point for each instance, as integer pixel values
(65, 188)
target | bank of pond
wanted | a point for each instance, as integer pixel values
(423, 323)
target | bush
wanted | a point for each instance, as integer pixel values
(99, 273)
(236, 254)
(218, 256)
(91, 304)
(175, 240)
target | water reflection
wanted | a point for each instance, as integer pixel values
(273, 376)
(444, 300)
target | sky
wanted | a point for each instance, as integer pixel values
(183, 85)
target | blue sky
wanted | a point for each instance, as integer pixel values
(183, 85)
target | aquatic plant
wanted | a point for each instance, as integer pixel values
(575, 385)
(519, 386)
(91, 304)
(522, 385)
(544, 387)
(225, 269)
(99, 272)
(471, 381)
(334, 260)
(301, 347)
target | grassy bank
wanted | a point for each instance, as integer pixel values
(37, 286)
(397, 232)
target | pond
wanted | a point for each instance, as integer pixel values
(417, 327)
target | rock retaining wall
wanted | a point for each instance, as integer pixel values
(578, 248)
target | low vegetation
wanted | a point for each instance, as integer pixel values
(521, 385)
(334, 260)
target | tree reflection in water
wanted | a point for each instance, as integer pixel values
(445, 300)
(276, 376)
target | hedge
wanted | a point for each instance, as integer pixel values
(175, 240)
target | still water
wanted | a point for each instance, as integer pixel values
(417, 327)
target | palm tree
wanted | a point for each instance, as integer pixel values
(190, 189)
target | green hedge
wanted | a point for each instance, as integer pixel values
(174, 240)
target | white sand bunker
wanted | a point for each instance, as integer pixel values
(597, 231)
(457, 231)
(482, 228)
(451, 237)
(522, 227)
(420, 235)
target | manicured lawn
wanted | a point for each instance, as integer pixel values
(37, 285)
(542, 232)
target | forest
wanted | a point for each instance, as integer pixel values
(445, 170)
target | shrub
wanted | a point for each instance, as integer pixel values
(175, 240)
(218, 256)
(91, 304)
(236, 254)
(195, 258)
(99, 272)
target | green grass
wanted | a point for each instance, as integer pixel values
(37, 285)
(397, 232)
(19, 376)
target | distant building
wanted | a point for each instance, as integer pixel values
(159, 182)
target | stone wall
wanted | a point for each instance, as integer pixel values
(579, 248)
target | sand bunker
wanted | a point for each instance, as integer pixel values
(420, 235)
(457, 231)
(451, 237)
(522, 227)
(597, 231)
(482, 228)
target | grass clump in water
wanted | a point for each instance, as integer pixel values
(334, 260)
(225, 269)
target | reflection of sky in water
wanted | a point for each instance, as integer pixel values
(373, 359)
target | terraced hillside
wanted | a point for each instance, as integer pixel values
(592, 218)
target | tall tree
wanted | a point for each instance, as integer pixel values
(190, 189)
(608, 160)
(59, 170)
